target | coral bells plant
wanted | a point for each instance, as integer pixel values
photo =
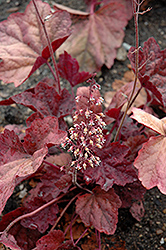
(105, 160)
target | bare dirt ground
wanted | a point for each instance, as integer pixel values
(150, 233)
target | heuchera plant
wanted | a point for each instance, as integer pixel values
(95, 169)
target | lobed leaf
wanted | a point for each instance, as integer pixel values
(152, 68)
(51, 241)
(130, 192)
(43, 132)
(11, 148)
(96, 37)
(99, 209)
(23, 45)
(151, 163)
(44, 100)
(41, 220)
(19, 160)
(11, 171)
(24, 238)
(114, 168)
(68, 68)
(52, 183)
(137, 210)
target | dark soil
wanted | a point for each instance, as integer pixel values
(150, 233)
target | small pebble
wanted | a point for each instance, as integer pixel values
(21, 186)
(158, 222)
(162, 241)
(17, 3)
(164, 210)
(159, 231)
(100, 79)
(138, 225)
(164, 227)
(121, 54)
(126, 46)
(114, 71)
(23, 193)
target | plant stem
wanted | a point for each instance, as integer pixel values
(72, 221)
(81, 236)
(136, 11)
(52, 165)
(134, 98)
(35, 211)
(32, 213)
(64, 210)
(52, 71)
(49, 46)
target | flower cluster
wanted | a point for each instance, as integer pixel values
(86, 135)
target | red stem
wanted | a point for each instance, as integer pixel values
(136, 11)
(64, 210)
(81, 236)
(52, 165)
(49, 46)
(72, 221)
(32, 213)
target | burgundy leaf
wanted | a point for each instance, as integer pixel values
(11, 148)
(25, 238)
(9, 217)
(137, 210)
(19, 129)
(135, 144)
(130, 192)
(23, 45)
(42, 219)
(43, 132)
(96, 37)
(68, 68)
(152, 64)
(51, 241)
(114, 168)
(151, 163)
(53, 182)
(45, 100)
(99, 209)
(129, 128)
